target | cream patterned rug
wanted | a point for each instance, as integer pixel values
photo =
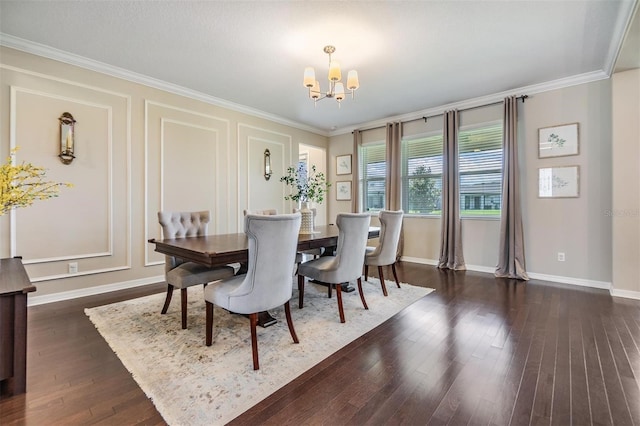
(191, 384)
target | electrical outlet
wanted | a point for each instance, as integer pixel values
(560, 256)
(73, 267)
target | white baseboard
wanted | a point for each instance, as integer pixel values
(570, 280)
(91, 291)
(419, 260)
(543, 277)
(625, 293)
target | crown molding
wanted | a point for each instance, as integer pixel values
(90, 64)
(62, 56)
(620, 33)
(482, 100)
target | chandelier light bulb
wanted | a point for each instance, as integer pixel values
(334, 71)
(352, 80)
(309, 77)
(339, 91)
(336, 87)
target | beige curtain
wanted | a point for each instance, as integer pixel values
(511, 262)
(451, 256)
(355, 172)
(394, 165)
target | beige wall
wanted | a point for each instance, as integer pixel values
(139, 150)
(625, 212)
(138, 147)
(578, 227)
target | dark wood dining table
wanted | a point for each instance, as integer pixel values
(223, 249)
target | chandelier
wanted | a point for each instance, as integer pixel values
(336, 88)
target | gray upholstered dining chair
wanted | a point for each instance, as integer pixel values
(266, 212)
(179, 273)
(346, 265)
(387, 250)
(273, 240)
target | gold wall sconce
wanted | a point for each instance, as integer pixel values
(267, 165)
(67, 138)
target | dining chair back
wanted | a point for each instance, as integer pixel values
(272, 243)
(346, 265)
(179, 273)
(386, 252)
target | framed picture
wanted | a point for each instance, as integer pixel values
(343, 164)
(558, 141)
(558, 182)
(343, 190)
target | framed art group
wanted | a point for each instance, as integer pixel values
(558, 181)
(343, 167)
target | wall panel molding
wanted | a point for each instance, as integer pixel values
(248, 134)
(68, 91)
(155, 151)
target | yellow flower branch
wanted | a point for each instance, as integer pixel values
(21, 185)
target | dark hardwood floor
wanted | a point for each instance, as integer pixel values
(477, 351)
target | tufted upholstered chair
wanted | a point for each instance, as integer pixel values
(181, 274)
(387, 250)
(273, 240)
(266, 212)
(346, 265)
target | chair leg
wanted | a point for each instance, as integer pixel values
(329, 291)
(339, 297)
(167, 300)
(395, 274)
(287, 312)
(300, 291)
(384, 286)
(253, 319)
(364, 302)
(183, 304)
(366, 272)
(209, 323)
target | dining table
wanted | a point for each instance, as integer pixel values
(224, 249)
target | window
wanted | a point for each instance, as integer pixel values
(373, 173)
(480, 151)
(422, 175)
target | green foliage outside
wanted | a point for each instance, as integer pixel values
(424, 196)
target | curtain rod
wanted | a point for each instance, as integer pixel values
(523, 97)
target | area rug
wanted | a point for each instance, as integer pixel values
(191, 384)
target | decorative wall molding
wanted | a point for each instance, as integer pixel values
(245, 144)
(481, 101)
(15, 92)
(91, 291)
(79, 274)
(79, 61)
(225, 138)
(127, 189)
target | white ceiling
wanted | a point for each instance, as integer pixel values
(410, 55)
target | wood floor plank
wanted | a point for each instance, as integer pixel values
(477, 351)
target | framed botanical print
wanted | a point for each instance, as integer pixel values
(343, 164)
(343, 191)
(558, 141)
(558, 182)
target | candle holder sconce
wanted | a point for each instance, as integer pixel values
(268, 171)
(67, 138)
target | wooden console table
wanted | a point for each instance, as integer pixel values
(14, 286)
